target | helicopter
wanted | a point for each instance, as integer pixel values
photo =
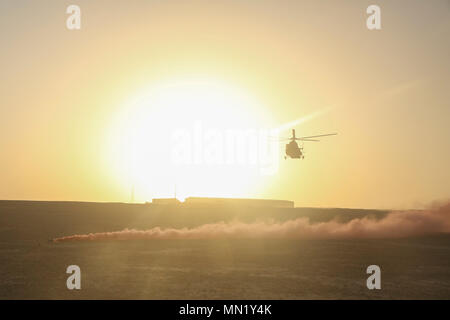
(294, 151)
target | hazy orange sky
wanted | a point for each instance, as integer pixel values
(66, 97)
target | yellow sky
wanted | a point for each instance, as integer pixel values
(67, 98)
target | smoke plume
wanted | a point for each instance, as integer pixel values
(396, 224)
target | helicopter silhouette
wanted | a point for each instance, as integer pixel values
(294, 151)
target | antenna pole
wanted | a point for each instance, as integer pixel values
(132, 194)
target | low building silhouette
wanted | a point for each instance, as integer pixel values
(234, 202)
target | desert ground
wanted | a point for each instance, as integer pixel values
(32, 267)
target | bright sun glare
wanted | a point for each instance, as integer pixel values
(190, 115)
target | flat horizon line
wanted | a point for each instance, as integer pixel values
(146, 203)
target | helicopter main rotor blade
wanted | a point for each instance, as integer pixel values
(278, 139)
(289, 139)
(322, 135)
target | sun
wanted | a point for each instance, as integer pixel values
(175, 137)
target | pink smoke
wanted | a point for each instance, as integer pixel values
(395, 225)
